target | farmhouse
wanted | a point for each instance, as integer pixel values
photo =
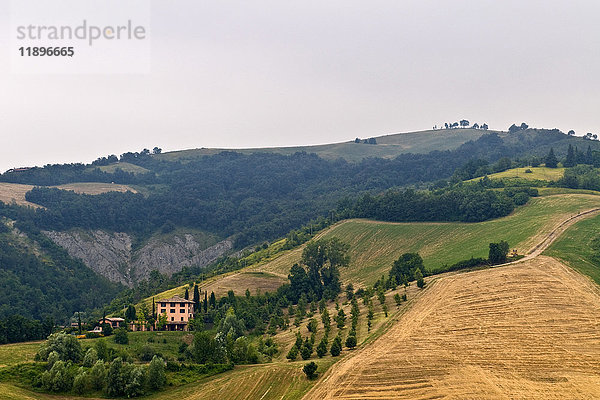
(178, 312)
(113, 322)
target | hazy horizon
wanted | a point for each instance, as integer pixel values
(272, 74)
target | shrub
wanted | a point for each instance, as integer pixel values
(134, 381)
(58, 379)
(121, 336)
(351, 340)
(107, 330)
(115, 384)
(146, 353)
(293, 353)
(81, 383)
(91, 356)
(156, 373)
(98, 375)
(310, 370)
(67, 347)
(336, 347)
(322, 347)
(101, 349)
(53, 357)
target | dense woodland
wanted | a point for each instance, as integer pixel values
(258, 197)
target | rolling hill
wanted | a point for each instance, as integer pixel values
(387, 146)
(375, 245)
(520, 331)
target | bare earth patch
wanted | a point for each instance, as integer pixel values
(527, 330)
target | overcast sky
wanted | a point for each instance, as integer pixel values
(277, 73)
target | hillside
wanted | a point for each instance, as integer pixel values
(521, 331)
(375, 245)
(579, 248)
(387, 146)
(535, 173)
(15, 192)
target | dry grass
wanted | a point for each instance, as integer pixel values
(221, 284)
(527, 330)
(96, 188)
(15, 192)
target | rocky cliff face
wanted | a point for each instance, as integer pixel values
(110, 253)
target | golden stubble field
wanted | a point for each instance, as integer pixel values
(529, 330)
(15, 193)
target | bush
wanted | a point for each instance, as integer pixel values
(98, 375)
(53, 357)
(146, 353)
(157, 378)
(58, 379)
(121, 336)
(107, 330)
(92, 335)
(81, 383)
(293, 353)
(351, 340)
(115, 385)
(310, 370)
(322, 347)
(91, 356)
(135, 381)
(67, 347)
(336, 347)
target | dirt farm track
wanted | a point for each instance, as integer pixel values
(524, 331)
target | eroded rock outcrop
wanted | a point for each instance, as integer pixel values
(111, 254)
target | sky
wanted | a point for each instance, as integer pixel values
(235, 74)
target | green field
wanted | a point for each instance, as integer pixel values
(537, 173)
(579, 247)
(388, 146)
(11, 354)
(123, 166)
(375, 245)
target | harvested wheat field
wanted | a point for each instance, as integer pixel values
(525, 331)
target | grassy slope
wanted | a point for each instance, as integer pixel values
(124, 166)
(537, 173)
(375, 245)
(575, 247)
(16, 353)
(387, 146)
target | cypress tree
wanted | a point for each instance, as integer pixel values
(570, 161)
(205, 302)
(589, 156)
(187, 294)
(551, 160)
(213, 300)
(196, 299)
